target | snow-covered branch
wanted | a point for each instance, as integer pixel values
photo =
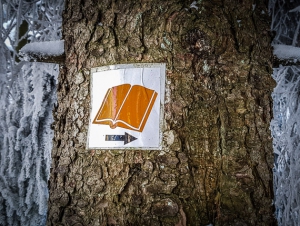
(49, 51)
(286, 52)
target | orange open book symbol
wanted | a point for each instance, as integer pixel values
(126, 106)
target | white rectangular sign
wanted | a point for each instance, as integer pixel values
(127, 103)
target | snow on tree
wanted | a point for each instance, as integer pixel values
(28, 94)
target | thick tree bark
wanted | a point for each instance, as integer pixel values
(216, 163)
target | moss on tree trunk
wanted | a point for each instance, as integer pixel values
(216, 163)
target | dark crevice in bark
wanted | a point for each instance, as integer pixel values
(230, 20)
(234, 35)
(96, 24)
(58, 143)
(115, 36)
(81, 10)
(251, 48)
(142, 35)
(113, 30)
(61, 213)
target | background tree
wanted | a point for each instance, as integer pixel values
(216, 163)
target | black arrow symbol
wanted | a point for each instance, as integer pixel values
(127, 138)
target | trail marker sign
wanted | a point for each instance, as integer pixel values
(127, 106)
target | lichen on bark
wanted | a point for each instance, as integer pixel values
(216, 162)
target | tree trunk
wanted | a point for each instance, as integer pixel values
(216, 163)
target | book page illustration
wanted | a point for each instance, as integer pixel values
(127, 106)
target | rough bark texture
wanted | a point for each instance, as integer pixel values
(216, 163)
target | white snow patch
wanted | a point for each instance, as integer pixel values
(285, 52)
(50, 48)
